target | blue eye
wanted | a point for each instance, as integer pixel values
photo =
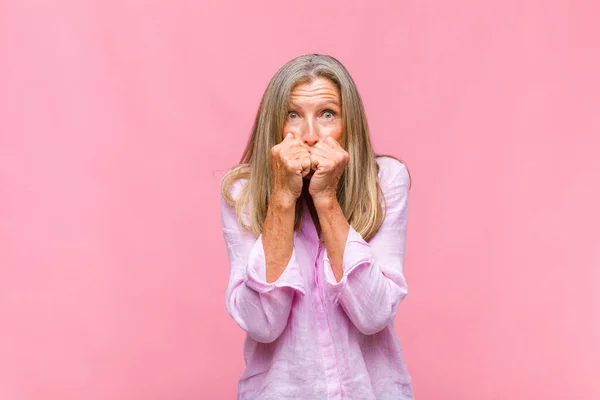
(292, 114)
(328, 114)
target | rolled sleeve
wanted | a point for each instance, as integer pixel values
(357, 253)
(256, 272)
(373, 284)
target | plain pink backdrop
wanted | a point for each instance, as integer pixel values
(117, 119)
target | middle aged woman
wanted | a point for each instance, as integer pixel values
(315, 228)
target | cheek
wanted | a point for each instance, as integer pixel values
(336, 131)
(290, 127)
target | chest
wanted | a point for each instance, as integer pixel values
(310, 254)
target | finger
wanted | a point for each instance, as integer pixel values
(323, 163)
(293, 159)
(298, 144)
(287, 141)
(316, 161)
(325, 153)
(294, 166)
(306, 166)
(331, 142)
(330, 151)
(322, 148)
(297, 152)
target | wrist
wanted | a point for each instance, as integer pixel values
(282, 200)
(324, 201)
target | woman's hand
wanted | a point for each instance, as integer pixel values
(329, 160)
(290, 161)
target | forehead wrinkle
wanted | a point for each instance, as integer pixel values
(320, 104)
(326, 94)
(323, 98)
(315, 87)
(308, 93)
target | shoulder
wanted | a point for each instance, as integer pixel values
(236, 187)
(392, 172)
(233, 183)
(231, 195)
(232, 188)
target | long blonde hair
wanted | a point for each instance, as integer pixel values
(358, 193)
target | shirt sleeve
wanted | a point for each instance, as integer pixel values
(373, 284)
(260, 308)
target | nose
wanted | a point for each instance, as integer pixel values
(309, 134)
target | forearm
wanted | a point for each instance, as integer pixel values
(355, 280)
(335, 232)
(278, 235)
(373, 283)
(260, 307)
(262, 315)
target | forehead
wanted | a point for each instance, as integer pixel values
(320, 88)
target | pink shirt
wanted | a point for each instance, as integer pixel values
(309, 336)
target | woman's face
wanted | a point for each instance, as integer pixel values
(315, 112)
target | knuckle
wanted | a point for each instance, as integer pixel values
(288, 164)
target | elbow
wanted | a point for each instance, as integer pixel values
(370, 322)
(370, 325)
(258, 327)
(263, 320)
(265, 334)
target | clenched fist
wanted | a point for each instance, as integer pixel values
(329, 160)
(290, 162)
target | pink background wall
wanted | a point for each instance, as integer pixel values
(117, 119)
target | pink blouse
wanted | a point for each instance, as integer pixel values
(309, 336)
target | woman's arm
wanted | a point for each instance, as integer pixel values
(278, 235)
(367, 279)
(335, 230)
(264, 273)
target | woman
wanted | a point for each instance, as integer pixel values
(315, 228)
